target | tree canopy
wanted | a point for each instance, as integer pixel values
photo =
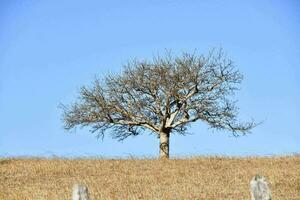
(164, 95)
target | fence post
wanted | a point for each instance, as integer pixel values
(80, 192)
(259, 188)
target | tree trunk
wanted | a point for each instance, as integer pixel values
(164, 144)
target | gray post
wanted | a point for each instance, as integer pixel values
(259, 188)
(80, 192)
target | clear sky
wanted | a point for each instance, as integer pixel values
(50, 48)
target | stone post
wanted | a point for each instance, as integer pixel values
(80, 192)
(259, 188)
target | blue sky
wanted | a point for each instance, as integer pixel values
(50, 48)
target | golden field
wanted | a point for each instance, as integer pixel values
(192, 178)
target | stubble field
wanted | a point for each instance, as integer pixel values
(194, 178)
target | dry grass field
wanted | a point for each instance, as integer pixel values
(194, 178)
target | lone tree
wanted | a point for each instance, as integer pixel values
(164, 96)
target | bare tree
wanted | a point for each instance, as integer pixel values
(164, 96)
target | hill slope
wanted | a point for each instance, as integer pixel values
(195, 178)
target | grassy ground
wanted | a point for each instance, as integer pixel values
(195, 178)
